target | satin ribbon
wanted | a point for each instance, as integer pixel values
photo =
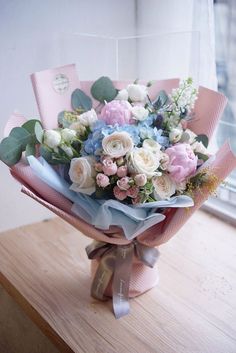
(116, 261)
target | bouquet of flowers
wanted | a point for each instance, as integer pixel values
(127, 165)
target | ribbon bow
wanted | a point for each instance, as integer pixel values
(116, 261)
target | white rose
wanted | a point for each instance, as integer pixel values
(122, 95)
(68, 135)
(152, 145)
(164, 187)
(82, 174)
(78, 127)
(143, 161)
(52, 138)
(88, 118)
(198, 147)
(139, 113)
(117, 144)
(175, 135)
(137, 93)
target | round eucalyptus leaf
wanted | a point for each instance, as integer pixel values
(79, 100)
(22, 136)
(103, 90)
(10, 150)
(203, 138)
(38, 130)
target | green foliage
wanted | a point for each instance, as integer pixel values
(10, 150)
(20, 139)
(30, 150)
(202, 138)
(202, 156)
(103, 90)
(80, 101)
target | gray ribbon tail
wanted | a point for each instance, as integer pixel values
(120, 285)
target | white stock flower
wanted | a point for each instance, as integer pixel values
(122, 95)
(117, 144)
(88, 118)
(143, 161)
(82, 174)
(68, 134)
(175, 135)
(137, 93)
(139, 113)
(164, 187)
(52, 138)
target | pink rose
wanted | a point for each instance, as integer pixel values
(122, 171)
(136, 200)
(133, 192)
(102, 180)
(183, 162)
(116, 112)
(119, 194)
(109, 167)
(123, 183)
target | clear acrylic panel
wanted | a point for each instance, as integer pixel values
(157, 56)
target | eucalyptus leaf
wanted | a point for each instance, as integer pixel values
(202, 156)
(30, 125)
(38, 130)
(30, 150)
(22, 136)
(103, 90)
(79, 100)
(10, 150)
(161, 100)
(202, 138)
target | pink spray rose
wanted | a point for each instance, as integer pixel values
(123, 183)
(119, 194)
(140, 179)
(109, 167)
(133, 192)
(122, 171)
(102, 180)
(183, 162)
(116, 112)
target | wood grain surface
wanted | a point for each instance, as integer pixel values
(193, 310)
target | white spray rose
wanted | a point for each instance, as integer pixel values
(117, 144)
(175, 135)
(52, 138)
(122, 95)
(143, 161)
(198, 147)
(139, 113)
(164, 187)
(88, 118)
(82, 174)
(137, 93)
(67, 150)
(68, 134)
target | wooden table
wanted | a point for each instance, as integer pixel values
(44, 268)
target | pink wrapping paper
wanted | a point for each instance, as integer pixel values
(208, 110)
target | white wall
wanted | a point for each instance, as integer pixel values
(31, 40)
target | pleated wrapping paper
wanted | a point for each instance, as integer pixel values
(208, 110)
